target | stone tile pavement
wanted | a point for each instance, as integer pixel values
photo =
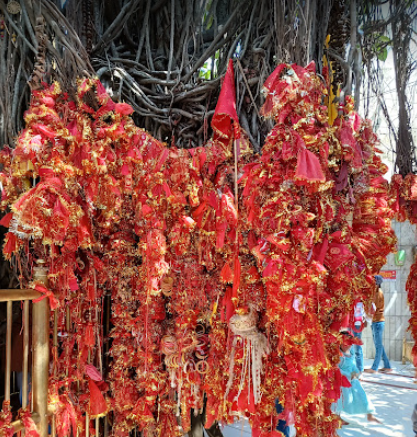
(394, 396)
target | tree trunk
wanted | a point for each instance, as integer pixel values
(165, 58)
(401, 33)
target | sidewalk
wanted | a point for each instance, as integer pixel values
(393, 396)
(393, 405)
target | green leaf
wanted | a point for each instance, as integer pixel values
(209, 22)
(205, 70)
(382, 54)
(383, 38)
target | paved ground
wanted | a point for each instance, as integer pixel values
(393, 395)
(394, 405)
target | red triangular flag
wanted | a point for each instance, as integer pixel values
(226, 105)
(226, 275)
(5, 221)
(97, 406)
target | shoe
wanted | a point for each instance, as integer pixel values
(369, 371)
(386, 370)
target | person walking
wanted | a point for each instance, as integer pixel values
(378, 325)
(360, 322)
(353, 399)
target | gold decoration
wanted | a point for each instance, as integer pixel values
(13, 7)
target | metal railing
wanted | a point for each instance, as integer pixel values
(40, 351)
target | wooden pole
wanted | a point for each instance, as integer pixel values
(18, 295)
(41, 353)
(53, 430)
(25, 367)
(18, 424)
(8, 351)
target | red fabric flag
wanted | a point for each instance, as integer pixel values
(226, 105)
(308, 167)
(98, 406)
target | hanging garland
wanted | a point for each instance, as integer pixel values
(404, 204)
(229, 272)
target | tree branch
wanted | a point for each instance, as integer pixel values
(213, 46)
(117, 25)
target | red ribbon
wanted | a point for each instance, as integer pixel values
(53, 302)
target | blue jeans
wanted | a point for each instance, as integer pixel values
(377, 330)
(358, 352)
(282, 424)
(19, 379)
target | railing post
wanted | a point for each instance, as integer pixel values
(25, 367)
(41, 356)
(8, 351)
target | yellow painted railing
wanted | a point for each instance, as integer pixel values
(40, 350)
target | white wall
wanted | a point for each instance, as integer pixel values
(397, 312)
